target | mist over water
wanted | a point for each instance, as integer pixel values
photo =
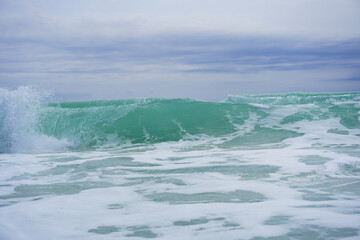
(278, 166)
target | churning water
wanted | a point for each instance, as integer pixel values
(280, 166)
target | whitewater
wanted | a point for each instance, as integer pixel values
(250, 167)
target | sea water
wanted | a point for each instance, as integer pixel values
(278, 166)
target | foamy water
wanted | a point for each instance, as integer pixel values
(276, 167)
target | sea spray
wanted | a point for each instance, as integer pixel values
(19, 113)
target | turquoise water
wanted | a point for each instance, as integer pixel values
(278, 166)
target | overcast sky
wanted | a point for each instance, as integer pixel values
(202, 49)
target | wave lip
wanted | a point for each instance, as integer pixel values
(296, 98)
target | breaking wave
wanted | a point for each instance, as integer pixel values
(28, 123)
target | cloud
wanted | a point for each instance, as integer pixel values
(179, 53)
(108, 48)
(113, 18)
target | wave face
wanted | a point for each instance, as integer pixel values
(28, 123)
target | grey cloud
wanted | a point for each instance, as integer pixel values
(194, 52)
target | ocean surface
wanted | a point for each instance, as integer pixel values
(277, 166)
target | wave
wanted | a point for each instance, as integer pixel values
(28, 123)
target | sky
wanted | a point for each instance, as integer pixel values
(201, 49)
